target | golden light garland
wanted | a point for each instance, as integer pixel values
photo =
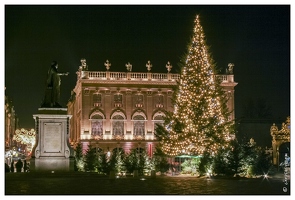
(198, 105)
(27, 137)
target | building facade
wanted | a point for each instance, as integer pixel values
(11, 123)
(121, 109)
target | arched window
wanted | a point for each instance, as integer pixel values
(97, 124)
(138, 125)
(158, 120)
(118, 124)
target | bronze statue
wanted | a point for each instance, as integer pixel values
(52, 93)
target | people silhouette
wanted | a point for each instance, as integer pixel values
(25, 166)
(19, 165)
(12, 166)
(7, 168)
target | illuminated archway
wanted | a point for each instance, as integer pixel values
(96, 119)
(280, 137)
(118, 124)
(158, 119)
(139, 119)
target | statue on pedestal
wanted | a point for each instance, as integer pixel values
(149, 66)
(128, 67)
(230, 69)
(53, 82)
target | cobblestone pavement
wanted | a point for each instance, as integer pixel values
(94, 184)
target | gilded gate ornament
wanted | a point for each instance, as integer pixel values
(279, 137)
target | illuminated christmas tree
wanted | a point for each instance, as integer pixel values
(200, 121)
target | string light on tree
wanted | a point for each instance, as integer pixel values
(200, 121)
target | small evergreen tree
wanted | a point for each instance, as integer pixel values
(191, 166)
(138, 159)
(263, 162)
(227, 160)
(255, 161)
(245, 159)
(103, 164)
(235, 157)
(90, 159)
(116, 161)
(131, 161)
(79, 163)
(160, 160)
(149, 164)
(206, 163)
(248, 160)
(221, 162)
(161, 165)
(146, 164)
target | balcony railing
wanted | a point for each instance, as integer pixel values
(139, 76)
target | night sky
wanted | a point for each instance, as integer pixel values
(255, 38)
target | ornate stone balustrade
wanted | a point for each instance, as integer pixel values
(139, 76)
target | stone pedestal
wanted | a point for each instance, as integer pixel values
(52, 151)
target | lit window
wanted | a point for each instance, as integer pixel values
(118, 100)
(96, 125)
(159, 101)
(97, 99)
(118, 125)
(139, 125)
(138, 100)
